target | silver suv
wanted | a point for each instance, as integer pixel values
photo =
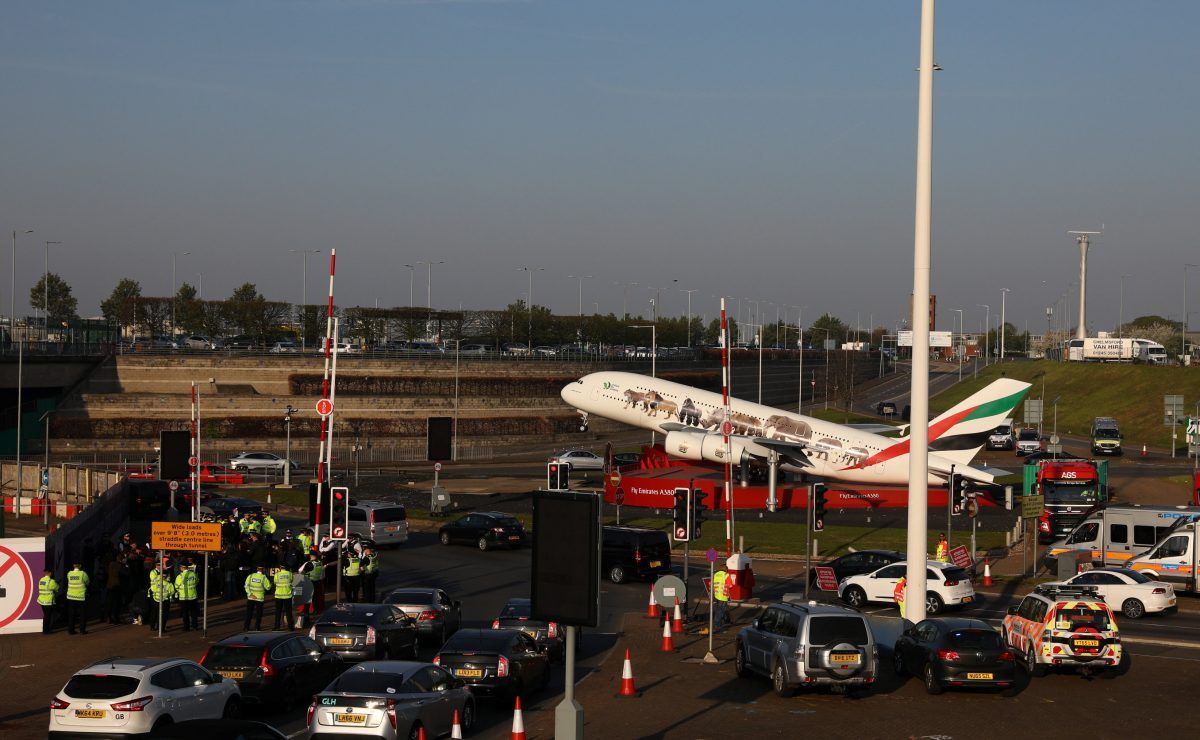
(809, 644)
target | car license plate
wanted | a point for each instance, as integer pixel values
(350, 719)
(91, 713)
(469, 672)
(979, 676)
(968, 599)
(845, 657)
(1087, 643)
(655, 563)
(391, 529)
(341, 641)
(232, 674)
(514, 536)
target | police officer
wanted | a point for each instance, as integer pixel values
(351, 570)
(268, 525)
(161, 591)
(47, 596)
(186, 590)
(720, 595)
(255, 525)
(257, 586)
(943, 549)
(244, 524)
(314, 570)
(306, 540)
(77, 586)
(370, 572)
(284, 580)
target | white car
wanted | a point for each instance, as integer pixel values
(1132, 592)
(946, 585)
(284, 348)
(132, 696)
(259, 461)
(579, 460)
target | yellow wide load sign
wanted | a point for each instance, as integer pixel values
(201, 536)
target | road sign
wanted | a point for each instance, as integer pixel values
(826, 578)
(681, 533)
(1033, 411)
(45, 476)
(437, 467)
(972, 507)
(17, 586)
(961, 557)
(669, 588)
(173, 485)
(202, 536)
(936, 338)
(1032, 506)
(619, 497)
(615, 477)
(193, 461)
(324, 407)
(712, 555)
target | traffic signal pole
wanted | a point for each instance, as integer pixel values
(808, 519)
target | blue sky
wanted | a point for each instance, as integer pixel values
(757, 149)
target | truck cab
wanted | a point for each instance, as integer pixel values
(1070, 488)
(1106, 436)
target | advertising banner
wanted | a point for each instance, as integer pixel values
(22, 560)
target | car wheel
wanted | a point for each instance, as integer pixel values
(1133, 609)
(855, 597)
(483, 544)
(445, 538)
(414, 732)
(779, 681)
(467, 718)
(932, 685)
(933, 603)
(1031, 663)
(898, 662)
(616, 574)
(233, 709)
(740, 665)
(161, 722)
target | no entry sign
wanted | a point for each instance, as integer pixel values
(324, 407)
(20, 559)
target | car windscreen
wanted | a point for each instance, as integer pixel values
(975, 639)
(482, 641)
(1070, 493)
(1028, 434)
(362, 682)
(1107, 433)
(410, 597)
(516, 611)
(99, 686)
(955, 574)
(1073, 618)
(1135, 575)
(832, 630)
(1003, 430)
(232, 656)
(351, 614)
(390, 514)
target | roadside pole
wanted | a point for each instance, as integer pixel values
(162, 558)
(808, 520)
(710, 657)
(337, 592)
(204, 616)
(950, 506)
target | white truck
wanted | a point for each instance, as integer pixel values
(1105, 349)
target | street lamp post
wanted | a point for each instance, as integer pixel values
(987, 328)
(653, 356)
(689, 314)
(800, 345)
(412, 273)
(1121, 314)
(12, 310)
(1003, 300)
(174, 257)
(303, 290)
(429, 280)
(529, 325)
(1183, 337)
(287, 423)
(46, 291)
(962, 345)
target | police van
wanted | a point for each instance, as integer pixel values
(1115, 534)
(1174, 558)
(1106, 436)
(1060, 626)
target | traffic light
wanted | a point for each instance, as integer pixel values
(339, 512)
(698, 509)
(681, 525)
(558, 476)
(958, 493)
(819, 506)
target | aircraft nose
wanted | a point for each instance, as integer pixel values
(572, 392)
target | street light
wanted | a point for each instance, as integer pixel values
(580, 278)
(412, 272)
(987, 327)
(287, 422)
(1183, 337)
(1003, 300)
(1121, 315)
(653, 355)
(303, 289)
(961, 342)
(429, 280)
(689, 315)
(46, 291)
(12, 309)
(174, 257)
(529, 327)
(624, 299)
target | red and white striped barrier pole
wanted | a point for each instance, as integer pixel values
(726, 428)
(321, 472)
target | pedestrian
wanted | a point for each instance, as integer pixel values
(720, 597)
(370, 573)
(126, 544)
(139, 581)
(943, 549)
(187, 593)
(77, 586)
(47, 597)
(114, 595)
(351, 568)
(900, 594)
(314, 570)
(229, 567)
(268, 525)
(257, 586)
(161, 592)
(284, 579)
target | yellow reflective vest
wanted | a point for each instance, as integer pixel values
(47, 591)
(185, 585)
(77, 584)
(283, 584)
(720, 589)
(257, 586)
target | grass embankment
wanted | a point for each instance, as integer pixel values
(840, 416)
(1133, 394)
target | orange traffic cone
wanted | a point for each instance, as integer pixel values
(652, 609)
(668, 645)
(456, 727)
(987, 573)
(677, 620)
(518, 728)
(627, 687)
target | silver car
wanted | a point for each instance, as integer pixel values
(393, 700)
(580, 459)
(260, 461)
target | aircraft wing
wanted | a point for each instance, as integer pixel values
(792, 450)
(982, 475)
(875, 428)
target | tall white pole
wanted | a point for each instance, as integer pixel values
(1081, 329)
(1003, 297)
(918, 459)
(326, 422)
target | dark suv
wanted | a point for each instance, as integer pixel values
(634, 552)
(485, 530)
(277, 667)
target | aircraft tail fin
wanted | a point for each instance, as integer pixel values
(961, 432)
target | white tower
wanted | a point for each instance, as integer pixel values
(1081, 238)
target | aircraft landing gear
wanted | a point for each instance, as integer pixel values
(583, 422)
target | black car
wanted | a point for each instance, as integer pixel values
(273, 667)
(623, 459)
(485, 530)
(634, 552)
(437, 615)
(211, 729)
(500, 662)
(1034, 458)
(955, 652)
(517, 614)
(857, 563)
(225, 506)
(366, 632)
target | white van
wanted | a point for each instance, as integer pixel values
(1174, 559)
(1001, 437)
(1118, 534)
